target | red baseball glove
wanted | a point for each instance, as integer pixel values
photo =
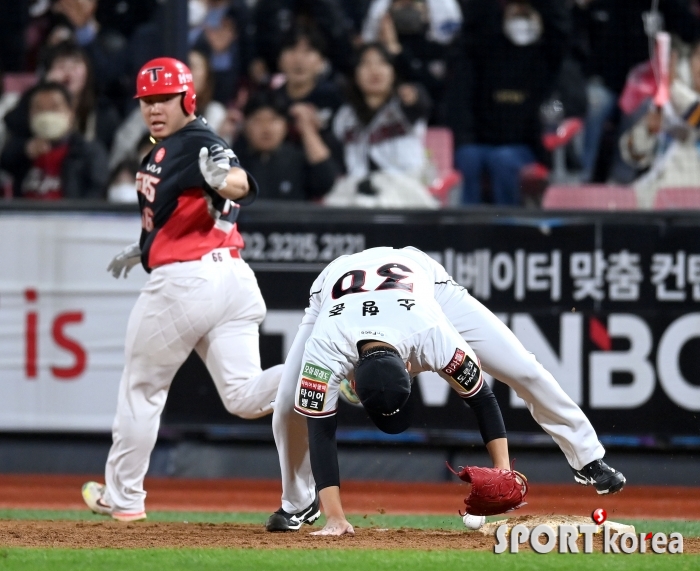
(494, 490)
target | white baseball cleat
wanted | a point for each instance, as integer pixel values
(93, 494)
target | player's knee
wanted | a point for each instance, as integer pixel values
(242, 408)
(280, 418)
(531, 373)
(249, 407)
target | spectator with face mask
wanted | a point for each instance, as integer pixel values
(284, 171)
(508, 59)
(95, 117)
(78, 22)
(122, 180)
(56, 162)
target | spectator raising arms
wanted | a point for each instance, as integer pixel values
(664, 140)
(417, 33)
(57, 162)
(382, 130)
(283, 170)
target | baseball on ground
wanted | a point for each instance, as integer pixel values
(473, 521)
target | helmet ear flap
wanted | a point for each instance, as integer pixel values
(188, 102)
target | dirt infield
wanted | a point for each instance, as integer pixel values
(63, 492)
(367, 498)
(109, 534)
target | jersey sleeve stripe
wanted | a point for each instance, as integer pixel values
(475, 390)
(304, 412)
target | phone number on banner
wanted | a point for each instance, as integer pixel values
(300, 247)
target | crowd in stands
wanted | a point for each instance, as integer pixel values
(333, 101)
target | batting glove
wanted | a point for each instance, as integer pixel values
(215, 166)
(125, 260)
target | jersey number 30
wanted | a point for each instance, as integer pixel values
(357, 280)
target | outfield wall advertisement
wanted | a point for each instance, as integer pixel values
(610, 306)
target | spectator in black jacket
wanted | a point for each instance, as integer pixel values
(56, 162)
(273, 19)
(283, 170)
(509, 58)
(302, 60)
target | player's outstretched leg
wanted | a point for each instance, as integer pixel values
(230, 349)
(155, 347)
(503, 356)
(603, 478)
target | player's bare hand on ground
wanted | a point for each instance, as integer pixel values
(215, 164)
(336, 526)
(125, 260)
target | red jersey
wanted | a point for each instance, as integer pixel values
(182, 217)
(43, 181)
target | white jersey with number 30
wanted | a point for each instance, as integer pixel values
(381, 294)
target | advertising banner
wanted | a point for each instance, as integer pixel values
(62, 319)
(610, 306)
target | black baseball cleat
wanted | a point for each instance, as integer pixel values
(598, 474)
(283, 521)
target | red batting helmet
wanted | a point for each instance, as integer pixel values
(165, 75)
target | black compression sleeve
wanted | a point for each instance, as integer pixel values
(323, 449)
(488, 414)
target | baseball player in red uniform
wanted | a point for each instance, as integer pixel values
(329, 346)
(200, 295)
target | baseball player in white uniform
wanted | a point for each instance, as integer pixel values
(200, 296)
(324, 350)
